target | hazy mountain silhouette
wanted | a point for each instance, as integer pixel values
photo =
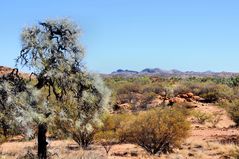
(173, 72)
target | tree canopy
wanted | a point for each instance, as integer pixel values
(68, 97)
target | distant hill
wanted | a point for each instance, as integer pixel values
(171, 73)
(148, 72)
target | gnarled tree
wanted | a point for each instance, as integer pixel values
(52, 49)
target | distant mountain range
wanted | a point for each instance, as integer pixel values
(150, 72)
(172, 73)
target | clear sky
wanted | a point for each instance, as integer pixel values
(196, 35)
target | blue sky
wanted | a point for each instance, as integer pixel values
(196, 35)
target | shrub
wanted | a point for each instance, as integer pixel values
(82, 134)
(156, 130)
(233, 110)
(107, 139)
(201, 117)
(129, 87)
(112, 122)
(213, 92)
(147, 98)
(107, 134)
(216, 118)
(181, 89)
(157, 88)
(209, 90)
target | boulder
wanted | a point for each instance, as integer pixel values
(190, 95)
(119, 107)
(155, 103)
(189, 100)
(199, 99)
(183, 96)
(176, 100)
(196, 98)
(125, 106)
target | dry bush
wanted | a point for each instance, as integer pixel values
(233, 152)
(157, 88)
(129, 87)
(147, 98)
(212, 92)
(107, 139)
(216, 118)
(201, 117)
(181, 89)
(107, 135)
(111, 125)
(232, 108)
(156, 130)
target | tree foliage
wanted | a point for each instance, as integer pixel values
(52, 49)
(18, 104)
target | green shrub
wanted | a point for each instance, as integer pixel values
(156, 130)
(214, 92)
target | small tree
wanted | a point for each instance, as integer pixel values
(53, 51)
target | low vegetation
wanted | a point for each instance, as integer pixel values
(156, 130)
(201, 117)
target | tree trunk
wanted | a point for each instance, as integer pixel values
(42, 143)
(5, 128)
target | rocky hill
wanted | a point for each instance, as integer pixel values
(5, 70)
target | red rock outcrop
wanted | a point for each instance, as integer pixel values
(5, 70)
